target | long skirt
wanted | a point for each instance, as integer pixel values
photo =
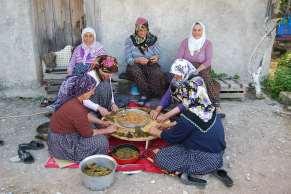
(177, 158)
(150, 80)
(103, 95)
(213, 87)
(74, 147)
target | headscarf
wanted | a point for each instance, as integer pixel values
(196, 44)
(183, 68)
(90, 49)
(81, 68)
(191, 92)
(143, 43)
(74, 86)
(107, 64)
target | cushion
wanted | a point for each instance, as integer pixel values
(63, 56)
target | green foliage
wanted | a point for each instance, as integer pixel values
(285, 60)
(282, 77)
(223, 76)
(283, 7)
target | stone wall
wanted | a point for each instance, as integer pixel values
(234, 27)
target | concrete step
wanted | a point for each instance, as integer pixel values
(285, 98)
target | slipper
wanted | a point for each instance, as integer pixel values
(48, 114)
(33, 145)
(191, 180)
(42, 137)
(1, 142)
(15, 159)
(45, 102)
(43, 128)
(25, 156)
(223, 177)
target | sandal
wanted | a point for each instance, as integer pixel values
(191, 180)
(42, 137)
(223, 177)
(43, 128)
(45, 102)
(25, 156)
(33, 145)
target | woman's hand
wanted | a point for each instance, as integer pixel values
(161, 118)
(141, 60)
(103, 111)
(154, 59)
(155, 131)
(114, 107)
(111, 129)
(107, 130)
(154, 114)
(105, 123)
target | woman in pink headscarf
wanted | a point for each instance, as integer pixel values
(142, 55)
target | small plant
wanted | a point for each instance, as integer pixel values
(281, 80)
(223, 76)
(283, 7)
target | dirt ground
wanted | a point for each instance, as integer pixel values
(258, 155)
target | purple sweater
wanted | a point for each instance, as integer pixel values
(202, 57)
(78, 54)
(167, 99)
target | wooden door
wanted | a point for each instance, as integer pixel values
(58, 23)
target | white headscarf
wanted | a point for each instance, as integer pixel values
(191, 91)
(196, 44)
(94, 47)
(88, 30)
(183, 68)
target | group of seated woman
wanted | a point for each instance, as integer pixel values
(196, 141)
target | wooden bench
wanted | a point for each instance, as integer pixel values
(232, 89)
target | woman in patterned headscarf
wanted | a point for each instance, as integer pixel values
(142, 54)
(101, 70)
(197, 140)
(71, 136)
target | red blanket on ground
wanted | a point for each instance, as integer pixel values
(144, 163)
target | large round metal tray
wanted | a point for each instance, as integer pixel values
(143, 127)
(145, 118)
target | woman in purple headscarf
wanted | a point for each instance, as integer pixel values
(101, 70)
(87, 51)
(71, 136)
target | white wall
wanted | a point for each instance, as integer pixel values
(18, 62)
(234, 27)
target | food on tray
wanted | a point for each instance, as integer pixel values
(134, 124)
(125, 153)
(163, 125)
(136, 132)
(96, 170)
(132, 118)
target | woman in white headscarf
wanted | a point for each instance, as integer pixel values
(198, 50)
(197, 141)
(87, 51)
